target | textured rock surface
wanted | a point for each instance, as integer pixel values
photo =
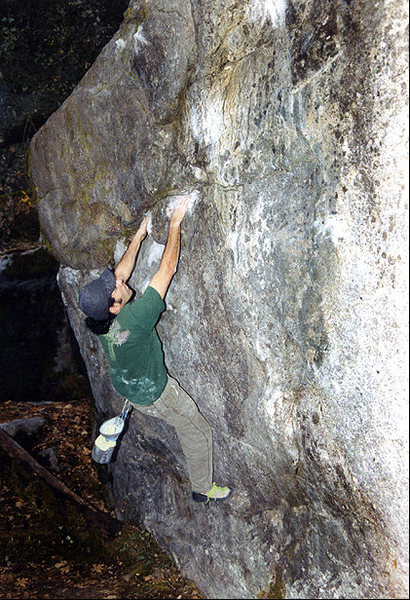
(287, 319)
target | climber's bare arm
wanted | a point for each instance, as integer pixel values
(170, 256)
(126, 265)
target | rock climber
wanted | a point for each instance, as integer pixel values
(126, 328)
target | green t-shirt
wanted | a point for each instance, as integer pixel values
(134, 350)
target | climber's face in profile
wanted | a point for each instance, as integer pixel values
(121, 294)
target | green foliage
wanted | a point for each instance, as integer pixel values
(18, 211)
(46, 46)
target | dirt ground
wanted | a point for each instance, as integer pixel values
(49, 550)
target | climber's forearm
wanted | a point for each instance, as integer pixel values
(169, 260)
(170, 255)
(127, 263)
(125, 266)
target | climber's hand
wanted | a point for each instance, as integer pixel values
(180, 210)
(142, 230)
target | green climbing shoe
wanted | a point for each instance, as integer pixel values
(215, 493)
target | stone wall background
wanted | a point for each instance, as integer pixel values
(287, 319)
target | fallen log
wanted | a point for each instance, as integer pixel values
(13, 449)
(30, 427)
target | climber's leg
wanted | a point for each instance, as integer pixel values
(178, 409)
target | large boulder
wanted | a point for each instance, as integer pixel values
(287, 318)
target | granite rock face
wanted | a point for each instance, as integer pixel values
(287, 319)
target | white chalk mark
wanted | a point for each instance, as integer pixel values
(121, 44)
(207, 119)
(273, 9)
(139, 40)
(193, 198)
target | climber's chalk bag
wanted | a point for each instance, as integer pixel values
(110, 431)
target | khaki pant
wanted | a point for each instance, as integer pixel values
(179, 410)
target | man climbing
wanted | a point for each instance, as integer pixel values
(126, 329)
